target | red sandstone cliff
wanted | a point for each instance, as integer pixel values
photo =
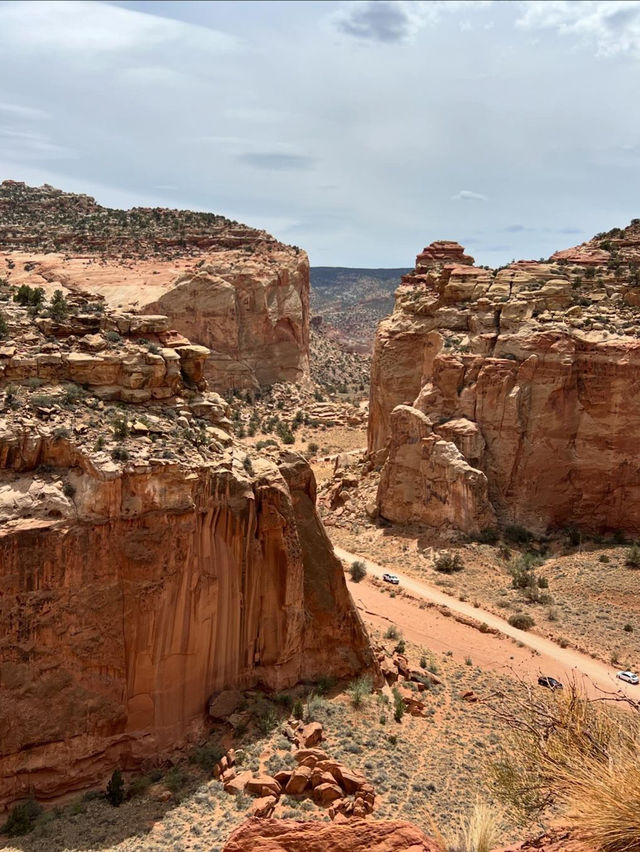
(146, 561)
(518, 391)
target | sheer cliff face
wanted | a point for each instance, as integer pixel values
(518, 391)
(233, 289)
(146, 561)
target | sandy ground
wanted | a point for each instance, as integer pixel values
(538, 655)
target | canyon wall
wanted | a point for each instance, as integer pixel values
(234, 289)
(512, 395)
(147, 558)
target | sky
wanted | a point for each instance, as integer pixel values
(360, 131)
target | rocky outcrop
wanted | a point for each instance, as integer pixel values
(285, 835)
(147, 562)
(518, 391)
(230, 288)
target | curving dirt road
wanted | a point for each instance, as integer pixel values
(486, 649)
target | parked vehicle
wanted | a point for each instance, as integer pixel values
(628, 677)
(550, 682)
(391, 578)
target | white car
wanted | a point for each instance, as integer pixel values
(628, 677)
(391, 578)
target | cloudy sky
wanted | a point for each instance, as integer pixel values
(360, 131)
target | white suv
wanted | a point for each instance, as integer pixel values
(628, 677)
(391, 578)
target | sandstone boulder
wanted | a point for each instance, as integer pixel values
(350, 836)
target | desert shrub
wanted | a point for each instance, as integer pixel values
(247, 465)
(115, 789)
(516, 534)
(4, 328)
(298, 709)
(574, 536)
(68, 490)
(120, 428)
(266, 718)
(206, 755)
(357, 571)
(543, 583)
(139, 785)
(22, 818)
(175, 779)
(423, 662)
(113, 336)
(283, 699)
(603, 558)
(567, 751)
(628, 628)
(482, 829)
(358, 690)
(521, 621)
(60, 432)
(119, 454)
(268, 443)
(391, 632)
(324, 684)
(400, 647)
(398, 706)
(42, 400)
(448, 564)
(488, 535)
(633, 557)
(312, 448)
(72, 393)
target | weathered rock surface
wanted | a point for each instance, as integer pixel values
(233, 289)
(356, 835)
(147, 564)
(518, 391)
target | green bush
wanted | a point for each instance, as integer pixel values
(633, 556)
(358, 690)
(298, 709)
(4, 328)
(398, 706)
(206, 755)
(391, 632)
(515, 534)
(22, 818)
(175, 779)
(448, 564)
(521, 621)
(138, 786)
(489, 535)
(115, 789)
(357, 571)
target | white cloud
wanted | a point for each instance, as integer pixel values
(612, 26)
(90, 27)
(468, 195)
(28, 145)
(18, 111)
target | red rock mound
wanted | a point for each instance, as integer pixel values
(283, 835)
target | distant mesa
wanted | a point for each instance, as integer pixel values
(231, 288)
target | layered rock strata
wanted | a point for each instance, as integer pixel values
(147, 561)
(512, 395)
(233, 289)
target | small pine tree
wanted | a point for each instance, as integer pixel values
(59, 307)
(115, 789)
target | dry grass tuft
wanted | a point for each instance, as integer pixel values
(582, 754)
(482, 831)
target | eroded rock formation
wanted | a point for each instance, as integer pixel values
(147, 561)
(233, 289)
(285, 835)
(518, 391)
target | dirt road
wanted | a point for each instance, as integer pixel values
(427, 626)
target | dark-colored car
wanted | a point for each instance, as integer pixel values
(550, 682)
